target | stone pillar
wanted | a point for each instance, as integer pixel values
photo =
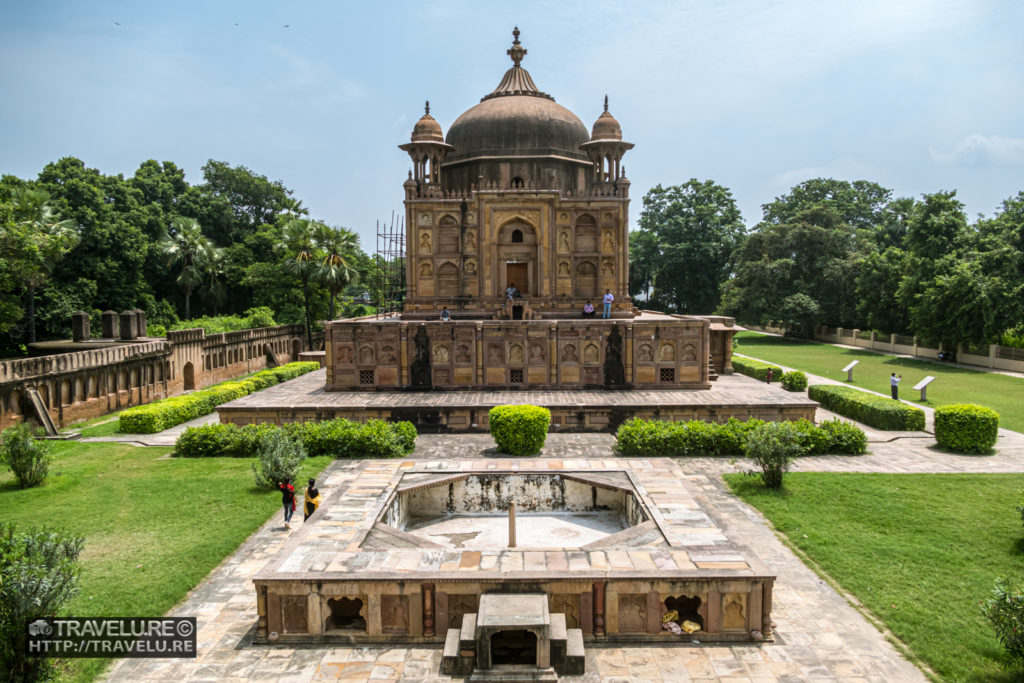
(428, 609)
(110, 325)
(261, 612)
(80, 326)
(766, 609)
(140, 322)
(599, 608)
(129, 329)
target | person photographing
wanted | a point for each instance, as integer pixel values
(894, 384)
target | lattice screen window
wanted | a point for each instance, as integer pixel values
(667, 374)
(515, 375)
(366, 377)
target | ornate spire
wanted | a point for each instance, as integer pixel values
(605, 103)
(516, 80)
(517, 51)
(426, 107)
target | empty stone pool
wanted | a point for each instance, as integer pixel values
(500, 510)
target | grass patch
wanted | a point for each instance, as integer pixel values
(917, 550)
(109, 428)
(153, 527)
(952, 384)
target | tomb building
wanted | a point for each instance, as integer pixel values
(515, 220)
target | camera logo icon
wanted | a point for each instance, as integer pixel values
(40, 627)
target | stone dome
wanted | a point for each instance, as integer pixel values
(607, 126)
(517, 120)
(427, 129)
(517, 125)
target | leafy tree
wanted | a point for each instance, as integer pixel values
(687, 236)
(112, 248)
(299, 241)
(936, 232)
(878, 282)
(188, 249)
(48, 239)
(815, 255)
(336, 269)
(861, 204)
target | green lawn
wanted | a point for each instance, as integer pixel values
(952, 384)
(153, 527)
(917, 550)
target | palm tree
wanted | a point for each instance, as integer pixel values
(298, 238)
(334, 271)
(188, 248)
(213, 287)
(49, 238)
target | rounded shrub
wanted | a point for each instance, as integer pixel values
(1005, 610)
(279, 458)
(519, 430)
(794, 381)
(773, 446)
(966, 428)
(27, 457)
(844, 437)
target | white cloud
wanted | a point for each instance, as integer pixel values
(982, 150)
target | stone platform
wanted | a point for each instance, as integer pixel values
(305, 399)
(350, 575)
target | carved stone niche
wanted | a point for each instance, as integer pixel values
(734, 612)
(394, 614)
(345, 613)
(293, 613)
(632, 613)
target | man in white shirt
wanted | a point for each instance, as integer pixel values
(608, 299)
(894, 384)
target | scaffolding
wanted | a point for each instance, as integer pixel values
(389, 285)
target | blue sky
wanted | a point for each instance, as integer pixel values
(918, 96)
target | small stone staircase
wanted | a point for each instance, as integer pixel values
(559, 650)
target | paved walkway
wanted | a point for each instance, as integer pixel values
(820, 637)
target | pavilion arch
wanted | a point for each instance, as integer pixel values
(188, 372)
(586, 233)
(586, 279)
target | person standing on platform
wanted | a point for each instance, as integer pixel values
(608, 299)
(894, 384)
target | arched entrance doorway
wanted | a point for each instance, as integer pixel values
(189, 374)
(517, 258)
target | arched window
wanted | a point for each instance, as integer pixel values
(517, 236)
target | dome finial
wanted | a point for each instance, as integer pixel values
(606, 103)
(517, 51)
(426, 107)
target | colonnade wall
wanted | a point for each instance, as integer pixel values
(81, 385)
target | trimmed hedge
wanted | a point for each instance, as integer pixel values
(654, 438)
(966, 428)
(161, 415)
(756, 369)
(871, 409)
(519, 430)
(339, 438)
(794, 381)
